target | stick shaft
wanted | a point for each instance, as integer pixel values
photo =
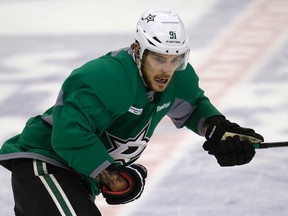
(271, 145)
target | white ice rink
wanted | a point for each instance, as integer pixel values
(239, 50)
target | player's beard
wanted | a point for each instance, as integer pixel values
(157, 82)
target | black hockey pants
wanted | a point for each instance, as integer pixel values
(41, 189)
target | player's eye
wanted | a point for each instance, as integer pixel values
(159, 59)
(176, 60)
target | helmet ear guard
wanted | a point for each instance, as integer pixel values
(162, 32)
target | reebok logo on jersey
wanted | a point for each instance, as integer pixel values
(165, 105)
(135, 110)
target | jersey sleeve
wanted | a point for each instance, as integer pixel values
(85, 107)
(191, 107)
(203, 110)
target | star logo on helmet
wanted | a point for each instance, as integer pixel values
(149, 18)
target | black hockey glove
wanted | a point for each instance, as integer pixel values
(135, 175)
(230, 143)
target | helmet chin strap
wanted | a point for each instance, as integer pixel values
(138, 63)
(150, 93)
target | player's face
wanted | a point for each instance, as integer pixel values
(158, 69)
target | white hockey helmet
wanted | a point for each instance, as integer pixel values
(162, 32)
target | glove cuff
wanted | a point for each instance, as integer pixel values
(141, 169)
(135, 175)
(106, 190)
(215, 119)
(214, 130)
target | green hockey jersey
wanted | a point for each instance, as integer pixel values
(104, 114)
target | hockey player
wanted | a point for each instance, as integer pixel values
(105, 114)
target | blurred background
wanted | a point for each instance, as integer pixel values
(239, 50)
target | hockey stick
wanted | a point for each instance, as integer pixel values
(271, 145)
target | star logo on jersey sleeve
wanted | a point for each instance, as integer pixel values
(125, 151)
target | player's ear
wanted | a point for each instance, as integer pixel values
(136, 47)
